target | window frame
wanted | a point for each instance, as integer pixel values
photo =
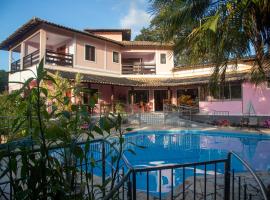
(94, 61)
(118, 57)
(161, 58)
(206, 93)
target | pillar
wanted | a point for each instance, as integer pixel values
(169, 95)
(132, 99)
(9, 60)
(42, 44)
(112, 98)
(22, 54)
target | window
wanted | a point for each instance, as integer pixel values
(115, 57)
(230, 91)
(225, 92)
(90, 53)
(236, 91)
(139, 96)
(163, 58)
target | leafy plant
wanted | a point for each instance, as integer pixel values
(185, 100)
(61, 143)
(217, 32)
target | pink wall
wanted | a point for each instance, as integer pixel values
(111, 35)
(233, 107)
(254, 97)
(258, 96)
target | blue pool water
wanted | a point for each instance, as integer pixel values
(185, 146)
(169, 147)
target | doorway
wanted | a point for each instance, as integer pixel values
(188, 96)
(159, 96)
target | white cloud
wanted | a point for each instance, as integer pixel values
(135, 19)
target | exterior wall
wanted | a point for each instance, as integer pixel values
(255, 101)
(161, 69)
(111, 35)
(258, 96)
(20, 76)
(103, 60)
(233, 107)
(110, 65)
(80, 57)
(204, 71)
(167, 68)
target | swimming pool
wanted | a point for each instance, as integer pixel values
(187, 146)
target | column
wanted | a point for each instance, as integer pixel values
(169, 95)
(132, 100)
(22, 54)
(9, 60)
(74, 43)
(112, 98)
(42, 44)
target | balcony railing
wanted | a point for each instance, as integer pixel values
(15, 66)
(142, 68)
(60, 59)
(31, 59)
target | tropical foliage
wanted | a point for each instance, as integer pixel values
(55, 158)
(3, 80)
(149, 34)
(217, 32)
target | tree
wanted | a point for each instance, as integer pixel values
(150, 34)
(217, 32)
(3, 80)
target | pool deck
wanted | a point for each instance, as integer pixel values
(201, 127)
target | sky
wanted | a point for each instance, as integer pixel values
(79, 14)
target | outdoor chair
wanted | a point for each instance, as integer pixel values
(267, 123)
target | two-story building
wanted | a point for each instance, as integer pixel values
(140, 74)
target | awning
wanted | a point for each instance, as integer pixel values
(145, 81)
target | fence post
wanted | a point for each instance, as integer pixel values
(134, 185)
(129, 197)
(103, 167)
(10, 173)
(140, 118)
(227, 177)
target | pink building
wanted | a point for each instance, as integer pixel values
(139, 74)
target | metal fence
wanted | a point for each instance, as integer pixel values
(215, 179)
(101, 151)
(211, 184)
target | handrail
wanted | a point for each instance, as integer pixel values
(55, 52)
(258, 180)
(66, 145)
(170, 166)
(117, 187)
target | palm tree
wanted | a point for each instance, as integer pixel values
(217, 31)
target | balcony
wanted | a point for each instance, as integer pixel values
(138, 63)
(51, 58)
(59, 59)
(31, 59)
(15, 66)
(138, 68)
